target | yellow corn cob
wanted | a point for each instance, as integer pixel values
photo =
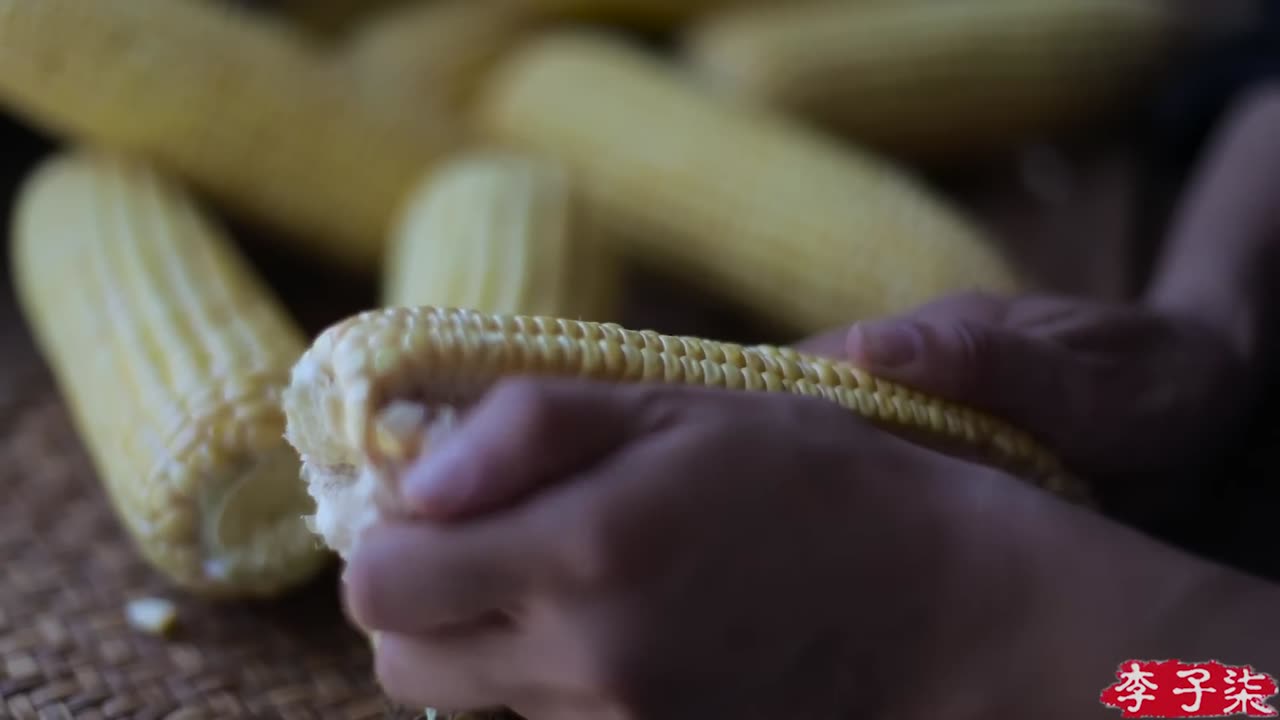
(805, 231)
(233, 103)
(371, 390)
(654, 14)
(331, 19)
(500, 232)
(430, 56)
(936, 80)
(171, 356)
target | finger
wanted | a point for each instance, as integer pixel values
(1027, 380)
(522, 435)
(894, 346)
(449, 672)
(417, 577)
(832, 343)
(919, 348)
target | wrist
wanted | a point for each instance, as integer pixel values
(1234, 316)
(1059, 597)
(1224, 245)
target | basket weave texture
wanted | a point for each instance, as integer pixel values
(67, 572)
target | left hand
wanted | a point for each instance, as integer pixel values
(615, 552)
(688, 553)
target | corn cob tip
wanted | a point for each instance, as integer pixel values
(378, 388)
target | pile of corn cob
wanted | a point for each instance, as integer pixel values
(484, 155)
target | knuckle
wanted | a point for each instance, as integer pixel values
(969, 343)
(968, 354)
(529, 403)
(765, 408)
(525, 396)
(593, 552)
(657, 407)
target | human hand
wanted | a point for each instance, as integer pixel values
(635, 551)
(694, 553)
(1132, 398)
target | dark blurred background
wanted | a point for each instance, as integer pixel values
(1085, 212)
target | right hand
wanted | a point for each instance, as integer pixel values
(1132, 399)
(1142, 399)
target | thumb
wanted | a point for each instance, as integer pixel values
(524, 434)
(1025, 380)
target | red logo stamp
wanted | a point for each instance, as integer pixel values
(1176, 689)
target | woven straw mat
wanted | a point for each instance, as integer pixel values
(66, 650)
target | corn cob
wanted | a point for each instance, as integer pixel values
(235, 104)
(647, 14)
(936, 80)
(429, 57)
(371, 390)
(806, 232)
(171, 356)
(500, 232)
(331, 19)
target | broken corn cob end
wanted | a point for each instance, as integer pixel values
(170, 356)
(376, 390)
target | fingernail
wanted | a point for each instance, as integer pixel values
(886, 344)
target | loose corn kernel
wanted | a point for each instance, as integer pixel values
(154, 616)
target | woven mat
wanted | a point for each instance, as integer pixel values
(65, 648)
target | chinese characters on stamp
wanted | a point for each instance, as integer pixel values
(1176, 689)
